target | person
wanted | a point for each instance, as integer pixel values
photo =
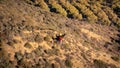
(60, 38)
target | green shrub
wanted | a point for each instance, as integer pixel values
(6, 64)
(11, 43)
(2, 1)
(84, 2)
(115, 58)
(84, 56)
(112, 16)
(39, 38)
(86, 11)
(28, 45)
(68, 63)
(72, 11)
(66, 46)
(38, 52)
(54, 51)
(58, 8)
(102, 17)
(42, 4)
(118, 23)
(47, 38)
(18, 55)
(115, 3)
(101, 64)
(92, 19)
(100, 1)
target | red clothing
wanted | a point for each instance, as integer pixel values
(60, 39)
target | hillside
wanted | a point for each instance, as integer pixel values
(29, 35)
(106, 12)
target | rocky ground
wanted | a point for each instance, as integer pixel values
(27, 40)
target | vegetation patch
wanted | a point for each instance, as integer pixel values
(24, 64)
(55, 7)
(72, 11)
(65, 46)
(84, 56)
(68, 63)
(28, 55)
(47, 38)
(11, 43)
(28, 45)
(102, 12)
(1, 1)
(101, 64)
(54, 51)
(18, 56)
(38, 52)
(115, 58)
(39, 38)
(6, 64)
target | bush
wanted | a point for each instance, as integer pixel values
(6, 63)
(58, 8)
(112, 16)
(28, 45)
(11, 43)
(86, 11)
(118, 23)
(101, 64)
(102, 17)
(42, 4)
(39, 39)
(18, 56)
(83, 2)
(115, 58)
(2, 1)
(115, 3)
(72, 11)
(38, 52)
(66, 46)
(47, 38)
(68, 63)
(54, 51)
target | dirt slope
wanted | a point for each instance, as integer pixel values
(28, 40)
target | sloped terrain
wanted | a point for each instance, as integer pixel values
(104, 12)
(28, 39)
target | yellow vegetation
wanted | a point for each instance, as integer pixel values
(92, 10)
(86, 11)
(102, 17)
(42, 4)
(58, 7)
(112, 16)
(72, 10)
